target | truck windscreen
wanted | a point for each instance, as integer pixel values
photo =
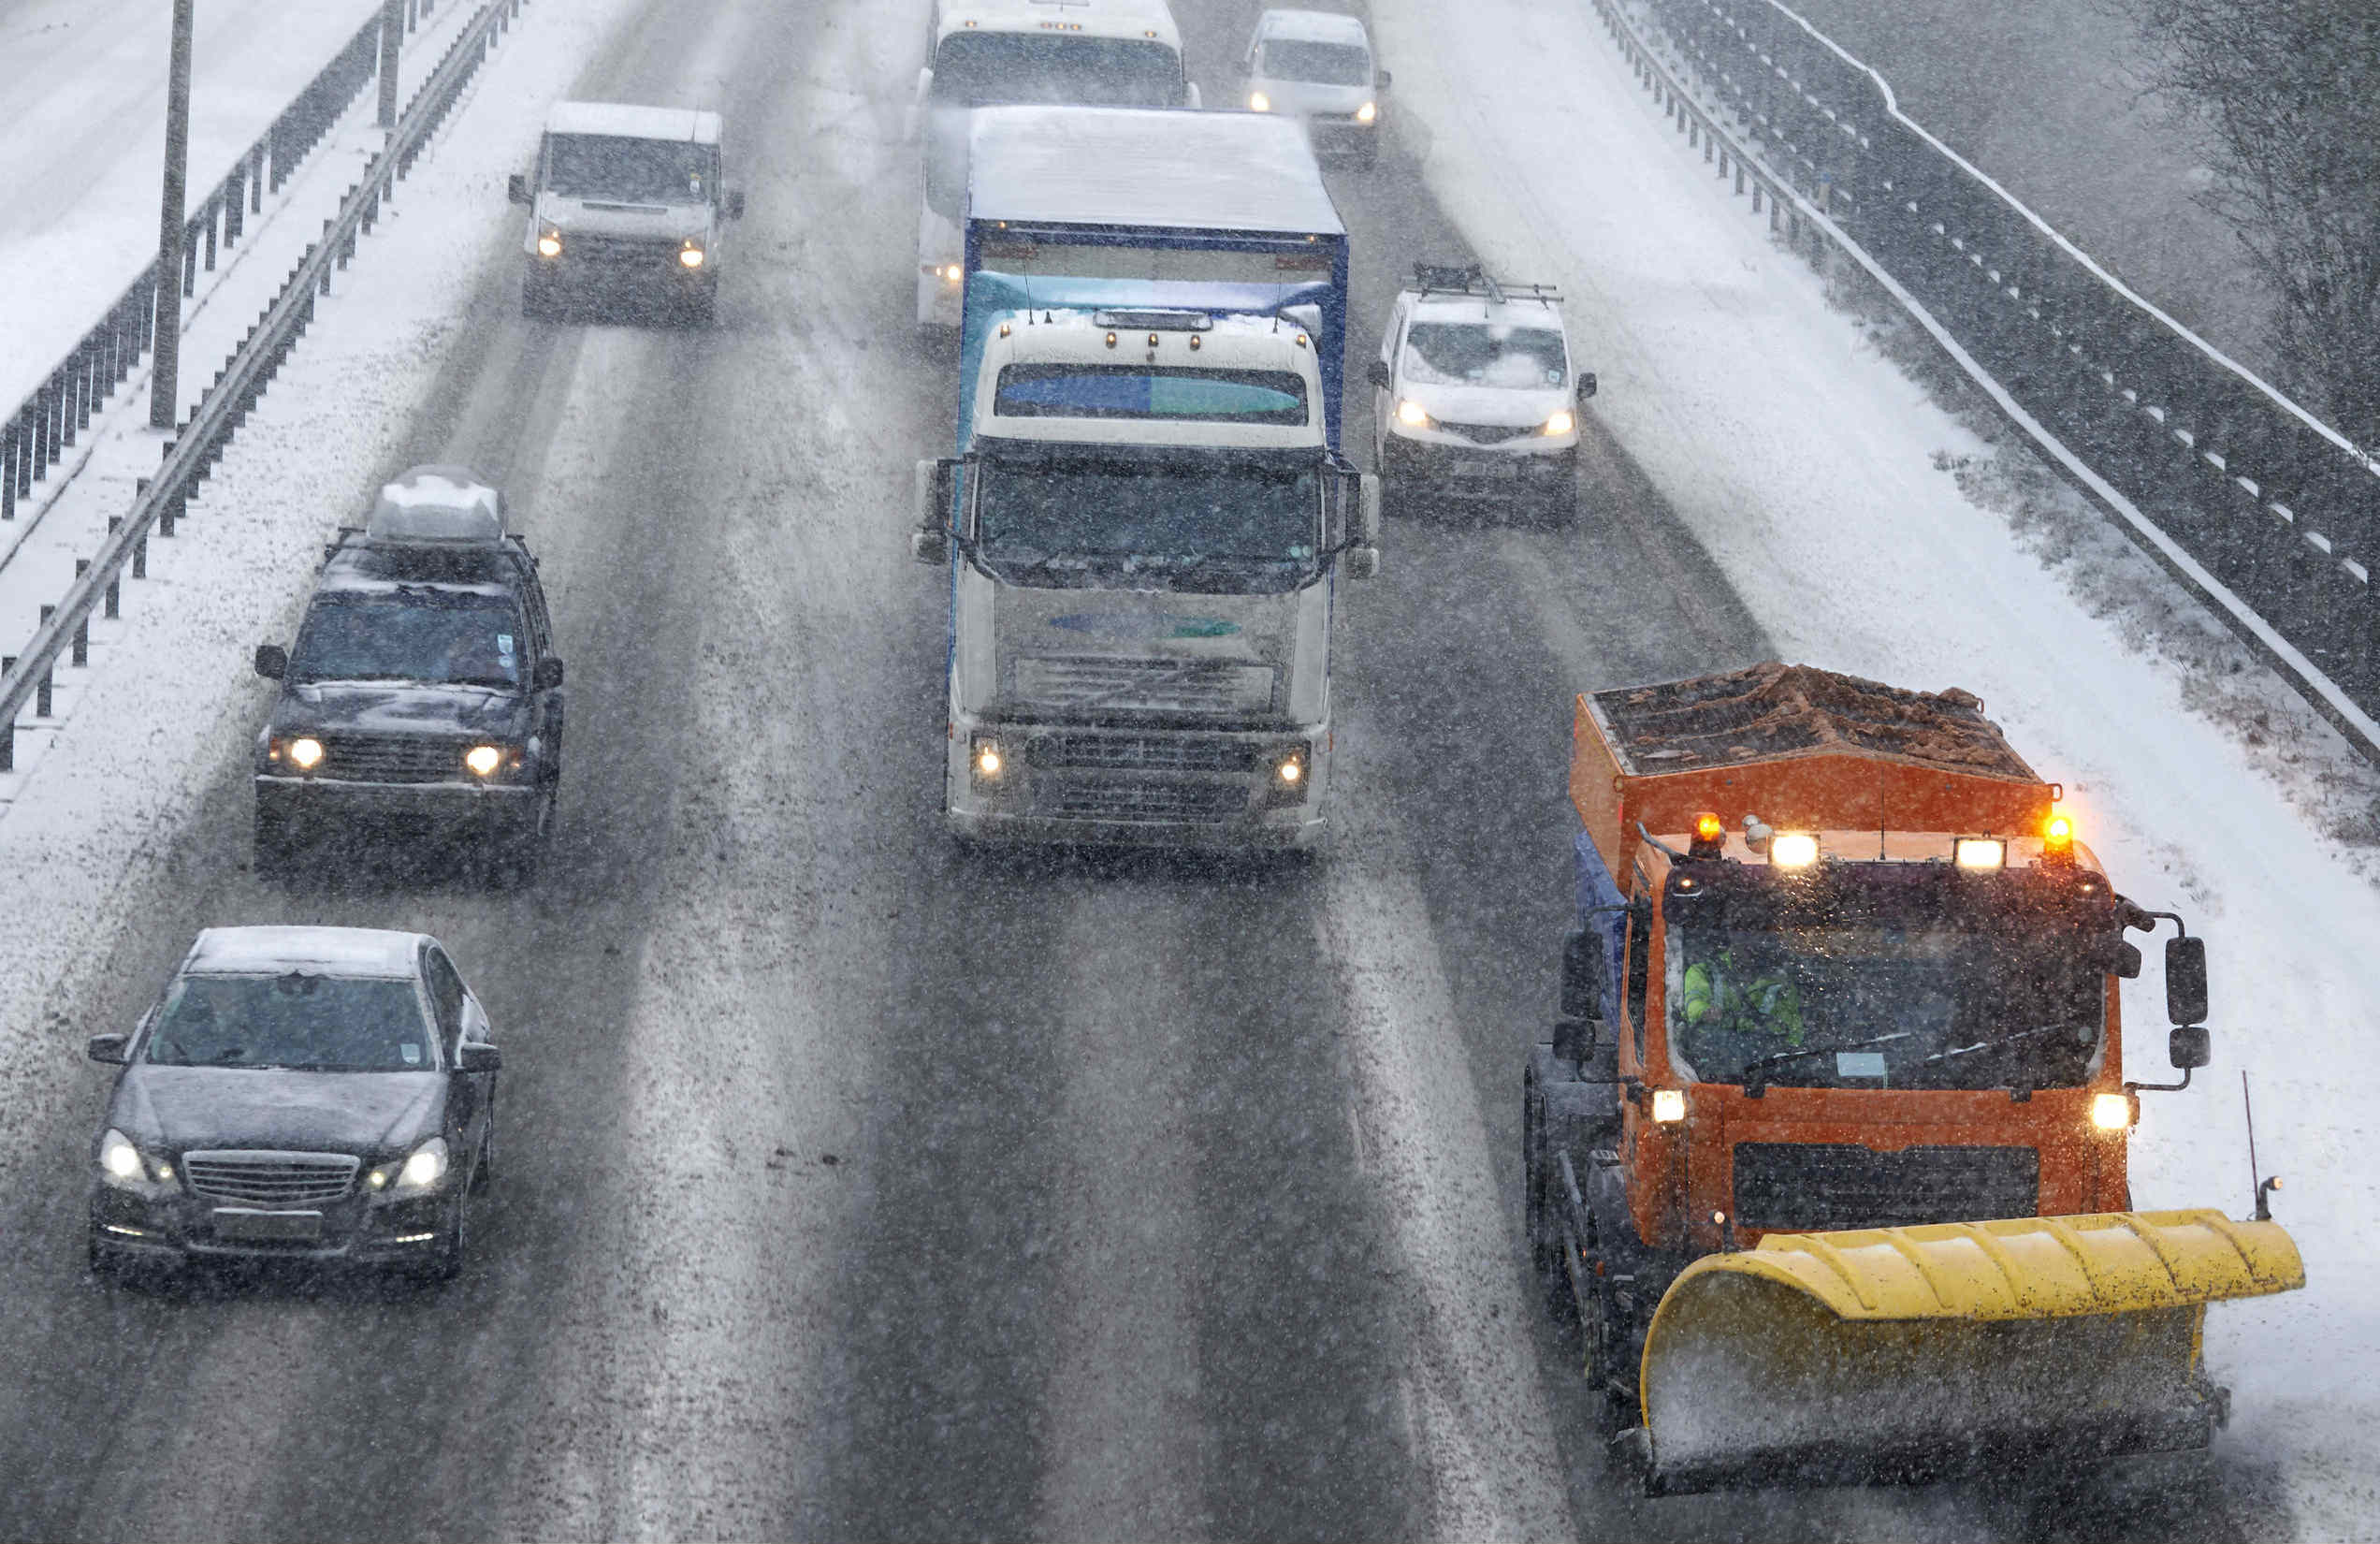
(1148, 518)
(977, 69)
(1874, 1004)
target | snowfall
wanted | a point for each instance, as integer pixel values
(1869, 526)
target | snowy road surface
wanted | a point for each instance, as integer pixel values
(852, 1188)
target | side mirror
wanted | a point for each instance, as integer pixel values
(477, 1057)
(1368, 506)
(548, 676)
(1378, 374)
(2119, 956)
(1363, 562)
(2189, 1048)
(1586, 385)
(1582, 975)
(1575, 1039)
(1380, 78)
(930, 547)
(735, 203)
(107, 1048)
(516, 189)
(930, 543)
(2185, 982)
(272, 662)
(1190, 97)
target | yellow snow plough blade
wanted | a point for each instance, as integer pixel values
(1894, 1355)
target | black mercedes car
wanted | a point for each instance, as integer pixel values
(423, 693)
(321, 1094)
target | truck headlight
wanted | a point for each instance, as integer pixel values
(1366, 113)
(988, 761)
(1669, 1106)
(691, 254)
(1259, 102)
(549, 243)
(1563, 422)
(1410, 413)
(2112, 1112)
(1292, 769)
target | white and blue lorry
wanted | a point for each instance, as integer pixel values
(1148, 517)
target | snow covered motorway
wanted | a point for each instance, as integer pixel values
(852, 1188)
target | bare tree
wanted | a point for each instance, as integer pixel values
(2292, 90)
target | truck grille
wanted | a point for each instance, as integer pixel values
(390, 758)
(1815, 1188)
(1142, 753)
(271, 1179)
(621, 251)
(1149, 800)
(1158, 685)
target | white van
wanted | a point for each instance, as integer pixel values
(1316, 66)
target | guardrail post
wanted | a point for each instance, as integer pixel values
(9, 729)
(115, 585)
(82, 629)
(41, 694)
(392, 31)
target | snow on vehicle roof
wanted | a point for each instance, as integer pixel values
(1775, 712)
(1150, 19)
(1518, 309)
(1162, 167)
(444, 505)
(1313, 26)
(633, 122)
(324, 950)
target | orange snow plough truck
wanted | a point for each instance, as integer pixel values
(1826, 1154)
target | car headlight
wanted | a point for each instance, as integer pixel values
(417, 1172)
(549, 243)
(485, 760)
(2112, 1112)
(305, 752)
(127, 1168)
(691, 254)
(1410, 413)
(1259, 102)
(1563, 422)
(1366, 113)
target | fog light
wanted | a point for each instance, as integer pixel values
(1669, 1106)
(2112, 1112)
(305, 753)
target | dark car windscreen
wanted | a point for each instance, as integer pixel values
(1484, 353)
(434, 636)
(975, 69)
(623, 170)
(1318, 63)
(301, 1021)
(1150, 520)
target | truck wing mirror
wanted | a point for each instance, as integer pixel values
(516, 189)
(2185, 982)
(272, 662)
(735, 203)
(1368, 506)
(1363, 562)
(1586, 385)
(2189, 1047)
(548, 676)
(1378, 374)
(930, 547)
(930, 543)
(1380, 78)
(1583, 975)
(2119, 956)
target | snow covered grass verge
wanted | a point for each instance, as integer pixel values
(91, 836)
(1825, 483)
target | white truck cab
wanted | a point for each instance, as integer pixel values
(1317, 67)
(626, 205)
(1474, 395)
(1113, 53)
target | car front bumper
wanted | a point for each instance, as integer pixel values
(1532, 463)
(182, 1228)
(302, 806)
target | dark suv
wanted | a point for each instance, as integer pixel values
(423, 692)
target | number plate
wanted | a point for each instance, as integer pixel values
(1485, 469)
(235, 1222)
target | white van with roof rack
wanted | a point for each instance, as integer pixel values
(980, 53)
(1474, 395)
(626, 203)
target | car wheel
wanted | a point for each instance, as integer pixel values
(520, 857)
(484, 1169)
(447, 1262)
(273, 856)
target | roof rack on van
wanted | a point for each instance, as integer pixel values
(1472, 279)
(446, 507)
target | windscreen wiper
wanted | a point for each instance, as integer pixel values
(2001, 1044)
(1755, 1085)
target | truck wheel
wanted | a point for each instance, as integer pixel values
(1539, 1175)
